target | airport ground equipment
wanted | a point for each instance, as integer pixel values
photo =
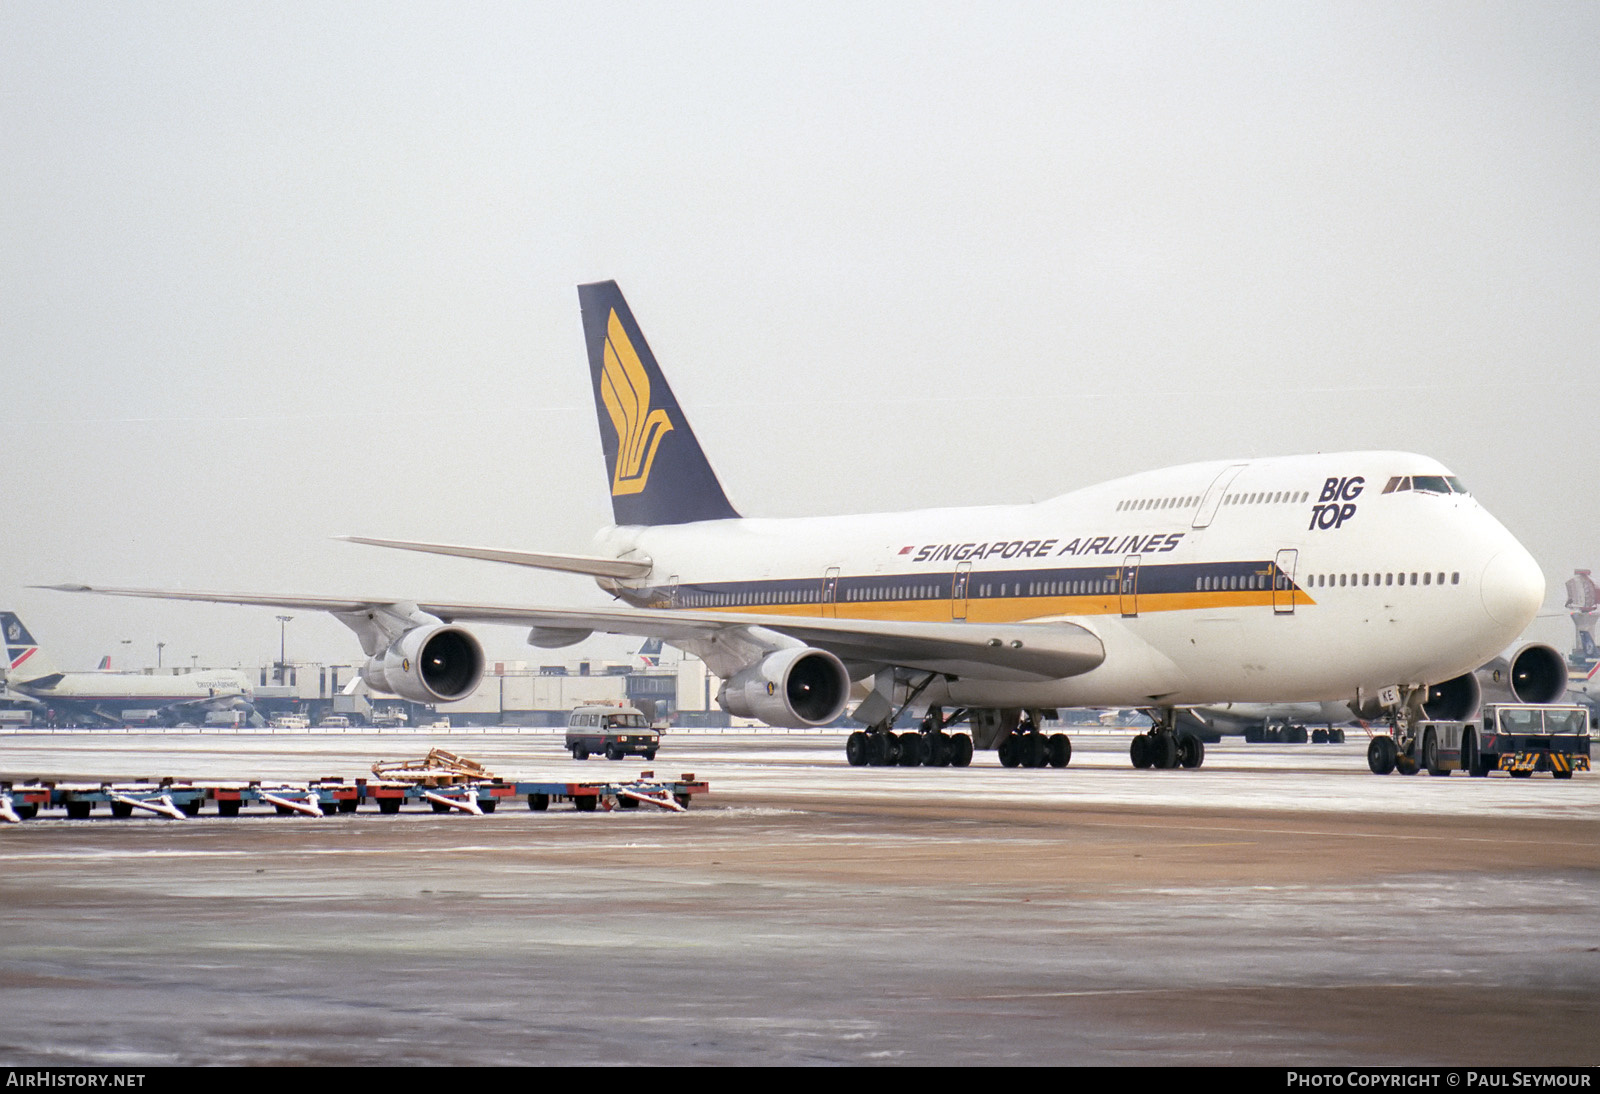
(1517, 738)
(442, 790)
(614, 730)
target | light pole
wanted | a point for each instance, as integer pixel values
(127, 653)
(159, 647)
(283, 623)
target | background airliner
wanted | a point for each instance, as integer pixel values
(1357, 576)
(101, 696)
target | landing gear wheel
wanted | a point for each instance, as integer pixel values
(1191, 751)
(1381, 755)
(960, 750)
(855, 749)
(910, 749)
(1008, 752)
(1139, 751)
(1036, 753)
(1319, 736)
(1060, 746)
(1430, 755)
(1163, 751)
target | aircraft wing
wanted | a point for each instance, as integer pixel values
(1008, 651)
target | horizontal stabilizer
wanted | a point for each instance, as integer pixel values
(572, 564)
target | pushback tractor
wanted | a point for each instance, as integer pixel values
(1517, 738)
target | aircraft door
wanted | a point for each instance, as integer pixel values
(1212, 501)
(830, 593)
(1283, 595)
(672, 591)
(958, 591)
(1128, 585)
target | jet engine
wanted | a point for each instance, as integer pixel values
(1534, 674)
(795, 687)
(432, 664)
(1454, 700)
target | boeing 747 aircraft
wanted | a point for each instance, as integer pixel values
(1352, 576)
(100, 697)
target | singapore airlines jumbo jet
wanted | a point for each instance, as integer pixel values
(1360, 576)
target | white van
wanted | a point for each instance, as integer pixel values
(612, 728)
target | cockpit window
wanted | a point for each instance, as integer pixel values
(1433, 484)
(1398, 483)
(1456, 484)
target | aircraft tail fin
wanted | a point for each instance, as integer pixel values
(659, 475)
(23, 662)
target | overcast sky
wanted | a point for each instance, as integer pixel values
(276, 272)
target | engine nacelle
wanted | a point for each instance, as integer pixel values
(1455, 700)
(794, 688)
(1534, 674)
(435, 664)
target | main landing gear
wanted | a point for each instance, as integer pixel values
(1163, 746)
(1028, 746)
(928, 746)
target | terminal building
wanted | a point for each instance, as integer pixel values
(512, 693)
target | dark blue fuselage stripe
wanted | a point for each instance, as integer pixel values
(981, 584)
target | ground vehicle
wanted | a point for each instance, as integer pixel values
(1517, 738)
(612, 728)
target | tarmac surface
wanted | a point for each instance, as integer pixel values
(1279, 906)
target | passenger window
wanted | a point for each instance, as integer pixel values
(1425, 578)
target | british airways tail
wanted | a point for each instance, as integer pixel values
(658, 473)
(24, 662)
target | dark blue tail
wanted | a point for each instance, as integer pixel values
(658, 473)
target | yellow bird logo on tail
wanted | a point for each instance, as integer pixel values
(625, 390)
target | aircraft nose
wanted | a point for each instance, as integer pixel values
(1513, 588)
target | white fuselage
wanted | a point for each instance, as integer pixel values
(112, 688)
(1270, 580)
